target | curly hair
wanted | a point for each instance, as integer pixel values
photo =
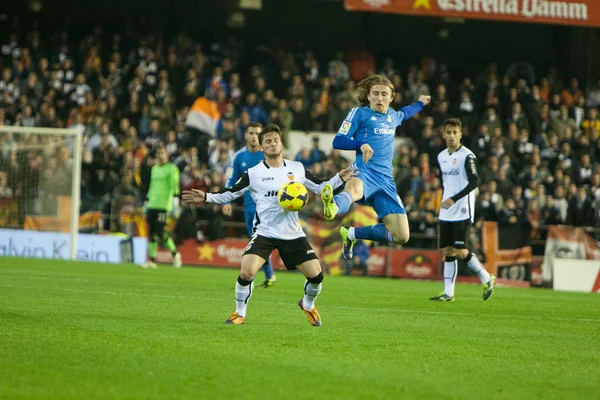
(364, 87)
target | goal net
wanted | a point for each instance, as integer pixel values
(40, 174)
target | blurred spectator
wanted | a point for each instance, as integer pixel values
(359, 260)
(580, 210)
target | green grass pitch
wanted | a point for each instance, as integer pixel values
(91, 331)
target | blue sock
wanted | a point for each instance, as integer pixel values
(343, 201)
(378, 233)
(268, 269)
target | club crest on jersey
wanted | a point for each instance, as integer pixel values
(290, 176)
(345, 127)
(454, 162)
(389, 118)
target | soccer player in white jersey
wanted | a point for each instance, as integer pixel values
(275, 227)
(459, 179)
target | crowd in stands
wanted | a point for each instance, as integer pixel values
(535, 136)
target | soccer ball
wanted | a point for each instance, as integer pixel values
(292, 196)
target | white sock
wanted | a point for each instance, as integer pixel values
(476, 267)
(242, 296)
(311, 291)
(351, 234)
(450, 268)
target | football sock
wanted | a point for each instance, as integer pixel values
(450, 268)
(171, 246)
(268, 269)
(473, 262)
(343, 201)
(378, 233)
(243, 291)
(311, 291)
(351, 233)
(152, 250)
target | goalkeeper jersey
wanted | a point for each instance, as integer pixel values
(164, 185)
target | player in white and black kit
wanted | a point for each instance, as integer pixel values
(274, 227)
(458, 169)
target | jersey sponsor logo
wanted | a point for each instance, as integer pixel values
(384, 131)
(453, 172)
(271, 193)
(290, 176)
(268, 178)
(345, 127)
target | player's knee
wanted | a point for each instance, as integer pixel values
(246, 275)
(317, 279)
(462, 253)
(400, 236)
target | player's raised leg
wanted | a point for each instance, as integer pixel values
(341, 202)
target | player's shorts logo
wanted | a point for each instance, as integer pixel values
(345, 127)
(290, 176)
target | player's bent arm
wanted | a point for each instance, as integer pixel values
(316, 185)
(472, 175)
(229, 194)
(411, 110)
(345, 142)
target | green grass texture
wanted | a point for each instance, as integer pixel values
(95, 331)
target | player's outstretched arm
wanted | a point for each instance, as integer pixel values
(316, 185)
(223, 196)
(414, 108)
(344, 140)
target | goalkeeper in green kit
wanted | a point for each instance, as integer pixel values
(163, 199)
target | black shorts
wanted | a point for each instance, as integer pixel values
(157, 219)
(454, 233)
(292, 252)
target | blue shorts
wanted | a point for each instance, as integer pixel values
(249, 212)
(380, 193)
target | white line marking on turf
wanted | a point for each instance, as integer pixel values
(397, 310)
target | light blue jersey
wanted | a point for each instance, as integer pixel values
(364, 125)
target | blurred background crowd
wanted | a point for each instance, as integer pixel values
(126, 91)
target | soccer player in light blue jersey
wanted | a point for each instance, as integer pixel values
(370, 130)
(247, 157)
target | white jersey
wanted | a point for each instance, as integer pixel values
(264, 182)
(457, 169)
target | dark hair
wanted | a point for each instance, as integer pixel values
(452, 122)
(364, 87)
(255, 125)
(269, 129)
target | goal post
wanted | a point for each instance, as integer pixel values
(34, 162)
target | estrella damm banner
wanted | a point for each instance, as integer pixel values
(565, 12)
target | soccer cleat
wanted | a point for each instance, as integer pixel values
(268, 283)
(442, 297)
(235, 319)
(348, 243)
(149, 264)
(330, 209)
(313, 316)
(177, 260)
(488, 288)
